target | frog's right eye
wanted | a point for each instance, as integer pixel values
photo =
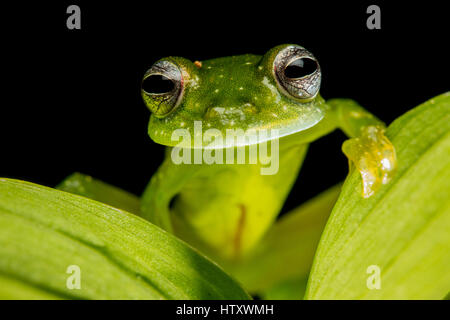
(162, 88)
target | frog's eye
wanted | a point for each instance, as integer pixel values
(297, 72)
(162, 88)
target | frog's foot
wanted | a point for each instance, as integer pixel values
(373, 156)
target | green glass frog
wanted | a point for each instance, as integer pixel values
(222, 194)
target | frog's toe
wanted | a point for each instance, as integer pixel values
(373, 156)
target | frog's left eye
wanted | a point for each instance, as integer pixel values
(297, 72)
(162, 88)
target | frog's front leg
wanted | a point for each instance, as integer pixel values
(369, 150)
(164, 185)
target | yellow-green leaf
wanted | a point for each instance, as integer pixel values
(89, 187)
(404, 230)
(44, 231)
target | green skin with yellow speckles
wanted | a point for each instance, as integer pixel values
(225, 209)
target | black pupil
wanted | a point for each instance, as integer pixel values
(157, 84)
(300, 68)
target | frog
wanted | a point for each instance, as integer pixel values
(224, 208)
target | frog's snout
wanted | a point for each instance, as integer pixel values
(230, 114)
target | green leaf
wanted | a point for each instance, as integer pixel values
(121, 256)
(86, 186)
(12, 289)
(404, 229)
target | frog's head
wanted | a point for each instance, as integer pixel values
(276, 91)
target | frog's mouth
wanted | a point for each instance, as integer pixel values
(226, 127)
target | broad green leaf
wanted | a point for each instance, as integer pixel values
(121, 256)
(404, 229)
(12, 289)
(86, 186)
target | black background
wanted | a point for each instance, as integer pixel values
(71, 100)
